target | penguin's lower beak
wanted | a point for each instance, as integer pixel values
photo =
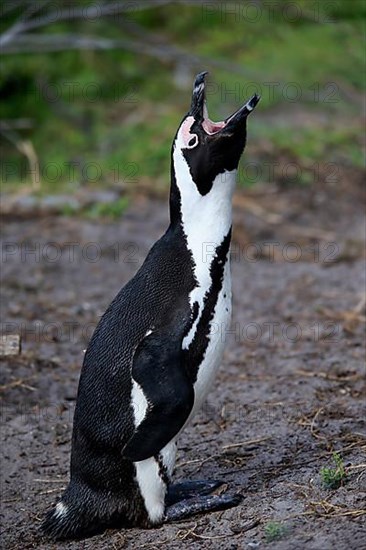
(200, 113)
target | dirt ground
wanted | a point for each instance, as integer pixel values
(291, 389)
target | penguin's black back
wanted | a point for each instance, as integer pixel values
(156, 297)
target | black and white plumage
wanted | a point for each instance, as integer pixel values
(155, 352)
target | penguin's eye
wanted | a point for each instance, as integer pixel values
(193, 141)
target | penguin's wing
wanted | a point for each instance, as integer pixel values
(158, 370)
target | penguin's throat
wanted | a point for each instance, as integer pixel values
(206, 222)
(207, 218)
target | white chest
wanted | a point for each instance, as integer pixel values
(219, 328)
(206, 222)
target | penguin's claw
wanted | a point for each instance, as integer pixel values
(184, 490)
(201, 504)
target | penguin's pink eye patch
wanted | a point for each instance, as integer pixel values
(189, 140)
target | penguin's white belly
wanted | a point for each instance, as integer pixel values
(220, 325)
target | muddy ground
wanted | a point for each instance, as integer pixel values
(291, 389)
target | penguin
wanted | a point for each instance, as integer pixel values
(156, 350)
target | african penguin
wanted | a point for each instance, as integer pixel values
(156, 349)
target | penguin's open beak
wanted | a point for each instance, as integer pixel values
(200, 113)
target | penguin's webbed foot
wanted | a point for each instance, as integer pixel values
(189, 498)
(201, 504)
(184, 490)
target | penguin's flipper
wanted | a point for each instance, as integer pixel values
(158, 370)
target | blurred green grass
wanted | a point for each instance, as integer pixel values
(103, 118)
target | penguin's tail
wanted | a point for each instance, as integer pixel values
(78, 515)
(65, 521)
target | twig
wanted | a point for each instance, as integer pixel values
(333, 510)
(16, 383)
(327, 376)
(356, 466)
(112, 8)
(49, 491)
(21, 23)
(196, 460)
(182, 534)
(165, 52)
(51, 480)
(247, 442)
(312, 430)
(213, 537)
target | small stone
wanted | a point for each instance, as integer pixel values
(9, 344)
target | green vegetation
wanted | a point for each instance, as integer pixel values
(107, 117)
(332, 478)
(275, 531)
(113, 210)
(110, 210)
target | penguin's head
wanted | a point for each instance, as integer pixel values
(209, 149)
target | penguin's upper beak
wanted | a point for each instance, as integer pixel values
(200, 113)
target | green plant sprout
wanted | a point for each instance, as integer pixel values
(332, 478)
(274, 531)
